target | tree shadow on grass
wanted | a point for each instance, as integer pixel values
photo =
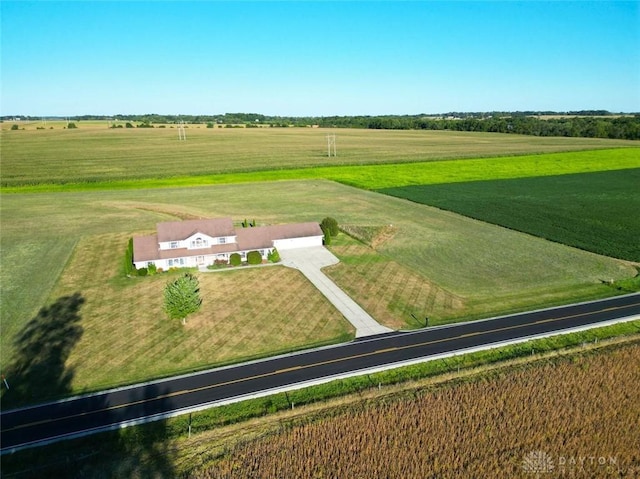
(38, 371)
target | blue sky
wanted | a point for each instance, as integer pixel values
(318, 58)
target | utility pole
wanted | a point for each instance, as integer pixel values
(331, 145)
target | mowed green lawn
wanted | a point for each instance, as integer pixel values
(474, 267)
(598, 212)
(245, 313)
(94, 154)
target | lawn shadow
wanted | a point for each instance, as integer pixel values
(38, 370)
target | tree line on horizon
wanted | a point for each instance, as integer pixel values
(585, 123)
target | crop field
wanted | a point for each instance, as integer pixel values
(595, 211)
(435, 262)
(502, 426)
(98, 154)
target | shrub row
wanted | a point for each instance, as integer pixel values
(253, 258)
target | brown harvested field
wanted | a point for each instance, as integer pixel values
(572, 417)
(245, 313)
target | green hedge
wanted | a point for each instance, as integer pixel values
(254, 257)
(235, 259)
(129, 268)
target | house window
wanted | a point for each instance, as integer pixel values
(199, 243)
(170, 262)
(173, 245)
(222, 240)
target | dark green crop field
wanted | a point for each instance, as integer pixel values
(598, 212)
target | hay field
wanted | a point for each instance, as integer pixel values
(99, 154)
(487, 268)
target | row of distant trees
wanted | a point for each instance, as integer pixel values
(587, 123)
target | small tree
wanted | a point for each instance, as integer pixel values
(15, 127)
(327, 237)
(182, 297)
(273, 256)
(129, 268)
(330, 226)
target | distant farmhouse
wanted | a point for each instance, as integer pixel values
(202, 242)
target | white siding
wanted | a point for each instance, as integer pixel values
(208, 241)
(292, 243)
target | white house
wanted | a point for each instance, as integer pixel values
(202, 242)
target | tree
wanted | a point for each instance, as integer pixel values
(129, 268)
(330, 226)
(182, 297)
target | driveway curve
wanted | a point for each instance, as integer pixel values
(309, 261)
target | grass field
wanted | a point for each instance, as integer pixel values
(596, 211)
(245, 313)
(393, 293)
(124, 335)
(93, 154)
(434, 262)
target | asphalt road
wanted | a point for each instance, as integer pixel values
(108, 410)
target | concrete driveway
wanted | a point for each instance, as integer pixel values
(309, 261)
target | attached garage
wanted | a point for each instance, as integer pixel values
(292, 243)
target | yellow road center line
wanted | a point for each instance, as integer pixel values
(321, 363)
